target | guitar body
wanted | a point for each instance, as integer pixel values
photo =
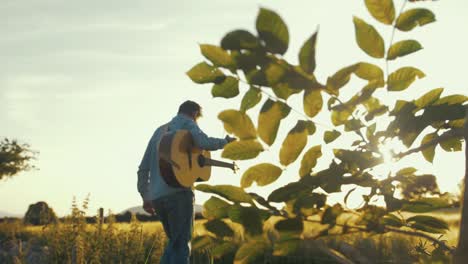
(180, 161)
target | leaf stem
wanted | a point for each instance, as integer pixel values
(391, 38)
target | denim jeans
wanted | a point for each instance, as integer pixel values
(176, 213)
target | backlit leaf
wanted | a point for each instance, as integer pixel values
(382, 10)
(331, 213)
(406, 171)
(392, 220)
(368, 39)
(251, 218)
(307, 54)
(294, 143)
(414, 17)
(215, 208)
(239, 39)
(428, 98)
(205, 73)
(272, 29)
(263, 174)
(238, 123)
(251, 252)
(452, 144)
(429, 151)
(424, 205)
(269, 120)
(428, 224)
(229, 192)
(229, 88)
(242, 149)
(452, 99)
(340, 78)
(313, 102)
(217, 55)
(403, 48)
(295, 225)
(403, 78)
(251, 98)
(287, 247)
(309, 160)
(369, 72)
(330, 136)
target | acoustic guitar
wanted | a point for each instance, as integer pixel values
(182, 164)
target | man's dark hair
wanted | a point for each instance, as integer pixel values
(189, 107)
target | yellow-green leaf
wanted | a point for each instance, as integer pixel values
(413, 17)
(403, 48)
(229, 192)
(242, 150)
(272, 29)
(452, 144)
(269, 120)
(215, 208)
(238, 123)
(428, 98)
(307, 54)
(239, 39)
(309, 160)
(294, 143)
(313, 102)
(452, 99)
(217, 55)
(429, 151)
(229, 88)
(263, 174)
(251, 252)
(403, 78)
(369, 72)
(219, 228)
(205, 73)
(340, 78)
(330, 136)
(251, 98)
(368, 39)
(382, 10)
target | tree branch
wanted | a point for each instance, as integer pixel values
(423, 235)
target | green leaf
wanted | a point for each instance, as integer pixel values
(222, 249)
(242, 150)
(218, 56)
(330, 136)
(288, 247)
(452, 144)
(251, 218)
(263, 174)
(382, 10)
(205, 73)
(272, 29)
(403, 78)
(311, 128)
(215, 208)
(429, 98)
(201, 243)
(403, 48)
(307, 54)
(239, 39)
(414, 17)
(310, 203)
(269, 120)
(294, 143)
(428, 224)
(452, 99)
(219, 228)
(313, 102)
(340, 78)
(392, 220)
(251, 98)
(229, 192)
(309, 160)
(251, 252)
(238, 123)
(368, 39)
(293, 225)
(429, 151)
(229, 88)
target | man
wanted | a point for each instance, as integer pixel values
(173, 205)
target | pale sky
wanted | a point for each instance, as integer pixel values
(87, 82)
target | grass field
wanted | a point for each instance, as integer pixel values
(77, 242)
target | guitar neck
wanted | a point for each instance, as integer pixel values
(202, 161)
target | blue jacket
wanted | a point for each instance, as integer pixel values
(150, 184)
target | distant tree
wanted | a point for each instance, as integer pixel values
(14, 158)
(40, 214)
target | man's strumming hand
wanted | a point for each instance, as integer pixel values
(148, 207)
(230, 139)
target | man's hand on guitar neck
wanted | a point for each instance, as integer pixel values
(230, 139)
(148, 207)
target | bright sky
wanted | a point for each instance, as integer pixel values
(87, 82)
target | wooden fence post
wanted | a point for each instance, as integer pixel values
(101, 216)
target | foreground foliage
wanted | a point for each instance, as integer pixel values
(257, 61)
